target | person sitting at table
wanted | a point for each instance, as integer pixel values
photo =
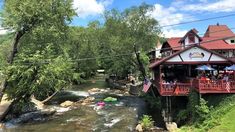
(225, 78)
(203, 78)
(213, 78)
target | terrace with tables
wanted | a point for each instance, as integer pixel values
(180, 72)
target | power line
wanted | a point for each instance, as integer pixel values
(119, 55)
(85, 59)
(205, 19)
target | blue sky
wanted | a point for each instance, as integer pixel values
(166, 12)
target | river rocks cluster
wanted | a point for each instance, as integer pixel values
(88, 100)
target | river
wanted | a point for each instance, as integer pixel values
(121, 116)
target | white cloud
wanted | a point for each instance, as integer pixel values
(218, 6)
(169, 16)
(85, 8)
(166, 16)
(168, 33)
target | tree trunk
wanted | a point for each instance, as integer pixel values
(141, 66)
(50, 97)
(18, 36)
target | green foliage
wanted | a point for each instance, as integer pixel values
(26, 14)
(146, 122)
(123, 30)
(83, 48)
(197, 110)
(182, 116)
(32, 76)
(213, 117)
(153, 102)
(41, 66)
(202, 109)
(193, 101)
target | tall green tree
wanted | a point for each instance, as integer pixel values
(130, 31)
(40, 28)
(83, 48)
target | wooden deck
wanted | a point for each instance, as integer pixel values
(203, 87)
(4, 106)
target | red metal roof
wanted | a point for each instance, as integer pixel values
(218, 44)
(174, 43)
(213, 32)
(218, 31)
(215, 45)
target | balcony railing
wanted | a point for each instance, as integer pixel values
(202, 86)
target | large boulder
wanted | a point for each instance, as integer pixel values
(66, 104)
(32, 116)
(2, 126)
(139, 128)
(171, 127)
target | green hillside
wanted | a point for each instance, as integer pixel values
(221, 117)
(227, 122)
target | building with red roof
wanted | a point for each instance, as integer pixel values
(218, 38)
(176, 72)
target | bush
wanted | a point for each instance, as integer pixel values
(153, 102)
(182, 116)
(147, 122)
(202, 109)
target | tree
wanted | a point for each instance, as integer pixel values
(131, 31)
(83, 48)
(38, 23)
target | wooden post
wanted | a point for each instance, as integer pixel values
(160, 78)
(167, 109)
(189, 70)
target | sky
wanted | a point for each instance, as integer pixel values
(166, 12)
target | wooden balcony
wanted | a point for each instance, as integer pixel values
(177, 89)
(220, 86)
(202, 86)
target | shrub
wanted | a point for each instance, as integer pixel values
(147, 122)
(202, 109)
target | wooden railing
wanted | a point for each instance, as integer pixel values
(202, 86)
(175, 89)
(219, 86)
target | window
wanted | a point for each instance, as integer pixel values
(232, 41)
(191, 38)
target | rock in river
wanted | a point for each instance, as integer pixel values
(66, 104)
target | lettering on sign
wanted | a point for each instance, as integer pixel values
(196, 55)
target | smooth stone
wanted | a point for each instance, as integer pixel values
(139, 128)
(171, 127)
(66, 104)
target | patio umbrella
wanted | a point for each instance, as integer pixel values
(230, 68)
(205, 68)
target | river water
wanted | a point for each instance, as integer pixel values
(121, 116)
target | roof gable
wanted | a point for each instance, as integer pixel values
(192, 31)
